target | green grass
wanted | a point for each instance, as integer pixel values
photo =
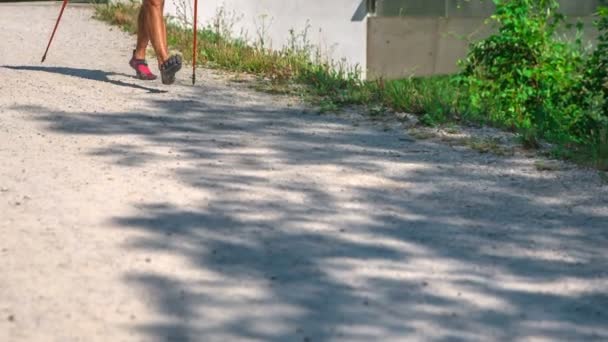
(329, 85)
(298, 70)
(123, 15)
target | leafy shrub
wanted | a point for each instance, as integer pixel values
(523, 77)
(595, 89)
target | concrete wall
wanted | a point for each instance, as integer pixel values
(401, 39)
(336, 27)
(465, 8)
(414, 46)
(416, 38)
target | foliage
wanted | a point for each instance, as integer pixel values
(123, 15)
(595, 91)
(327, 83)
(523, 77)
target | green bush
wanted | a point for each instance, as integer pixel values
(523, 77)
(595, 90)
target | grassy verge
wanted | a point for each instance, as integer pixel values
(297, 69)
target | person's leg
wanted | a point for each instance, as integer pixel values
(156, 28)
(143, 36)
(157, 34)
(138, 61)
(164, 26)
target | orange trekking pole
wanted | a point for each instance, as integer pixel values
(65, 2)
(194, 47)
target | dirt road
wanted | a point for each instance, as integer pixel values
(132, 211)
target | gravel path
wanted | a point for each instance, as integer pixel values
(131, 211)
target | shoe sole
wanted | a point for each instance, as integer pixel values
(168, 75)
(143, 77)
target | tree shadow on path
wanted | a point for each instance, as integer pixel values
(312, 229)
(87, 74)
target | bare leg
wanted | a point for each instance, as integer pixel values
(143, 36)
(164, 26)
(153, 12)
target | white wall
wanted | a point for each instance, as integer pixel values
(337, 27)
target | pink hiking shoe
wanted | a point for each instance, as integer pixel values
(141, 68)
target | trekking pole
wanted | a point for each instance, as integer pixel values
(194, 47)
(65, 2)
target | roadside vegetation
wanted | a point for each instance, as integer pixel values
(524, 78)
